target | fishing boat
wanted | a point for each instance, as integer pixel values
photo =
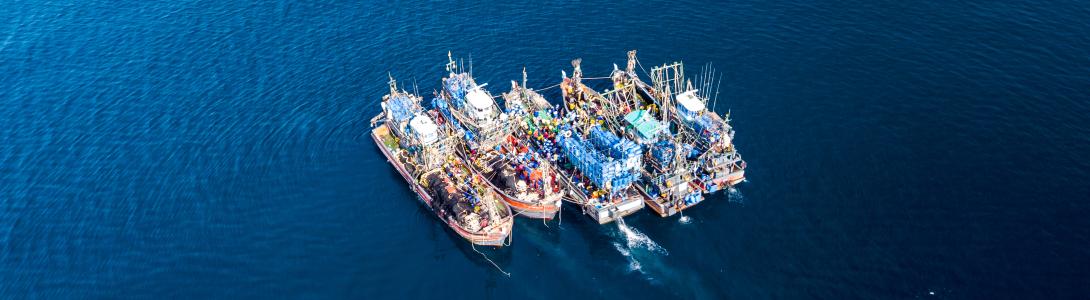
(418, 144)
(669, 178)
(523, 179)
(581, 167)
(523, 99)
(525, 166)
(598, 166)
(719, 164)
(667, 183)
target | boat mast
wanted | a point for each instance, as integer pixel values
(392, 82)
(577, 74)
(523, 92)
(631, 67)
(450, 63)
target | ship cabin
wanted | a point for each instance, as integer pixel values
(480, 106)
(424, 129)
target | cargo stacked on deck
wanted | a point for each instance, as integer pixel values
(603, 195)
(401, 108)
(471, 107)
(418, 148)
(721, 164)
(663, 152)
(718, 164)
(607, 160)
(526, 183)
(600, 183)
(620, 160)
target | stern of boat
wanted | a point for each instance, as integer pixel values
(610, 213)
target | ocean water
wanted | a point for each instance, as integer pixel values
(220, 149)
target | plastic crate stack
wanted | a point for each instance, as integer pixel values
(707, 127)
(615, 159)
(444, 109)
(663, 152)
(457, 86)
(602, 170)
(625, 150)
(692, 151)
(401, 108)
(693, 198)
(583, 158)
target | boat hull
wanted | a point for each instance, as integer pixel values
(376, 134)
(530, 210)
(728, 181)
(497, 238)
(736, 178)
(666, 209)
(522, 208)
(608, 214)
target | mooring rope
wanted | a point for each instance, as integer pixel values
(544, 223)
(545, 89)
(641, 68)
(474, 246)
(510, 235)
(560, 212)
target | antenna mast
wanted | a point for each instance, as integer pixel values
(451, 66)
(392, 82)
(577, 74)
(631, 67)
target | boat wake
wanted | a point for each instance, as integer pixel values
(635, 247)
(733, 195)
(637, 240)
(684, 220)
(633, 264)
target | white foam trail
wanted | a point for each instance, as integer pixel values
(733, 195)
(633, 264)
(684, 219)
(636, 239)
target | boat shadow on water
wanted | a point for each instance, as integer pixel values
(536, 232)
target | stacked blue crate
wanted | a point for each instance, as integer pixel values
(693, 198)
(663, 152)
(400, 108)
(621, 158)
(457, 86)
(602, 139)
(707, 127)
(598, 168)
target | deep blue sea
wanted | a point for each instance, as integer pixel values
(220, 149)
